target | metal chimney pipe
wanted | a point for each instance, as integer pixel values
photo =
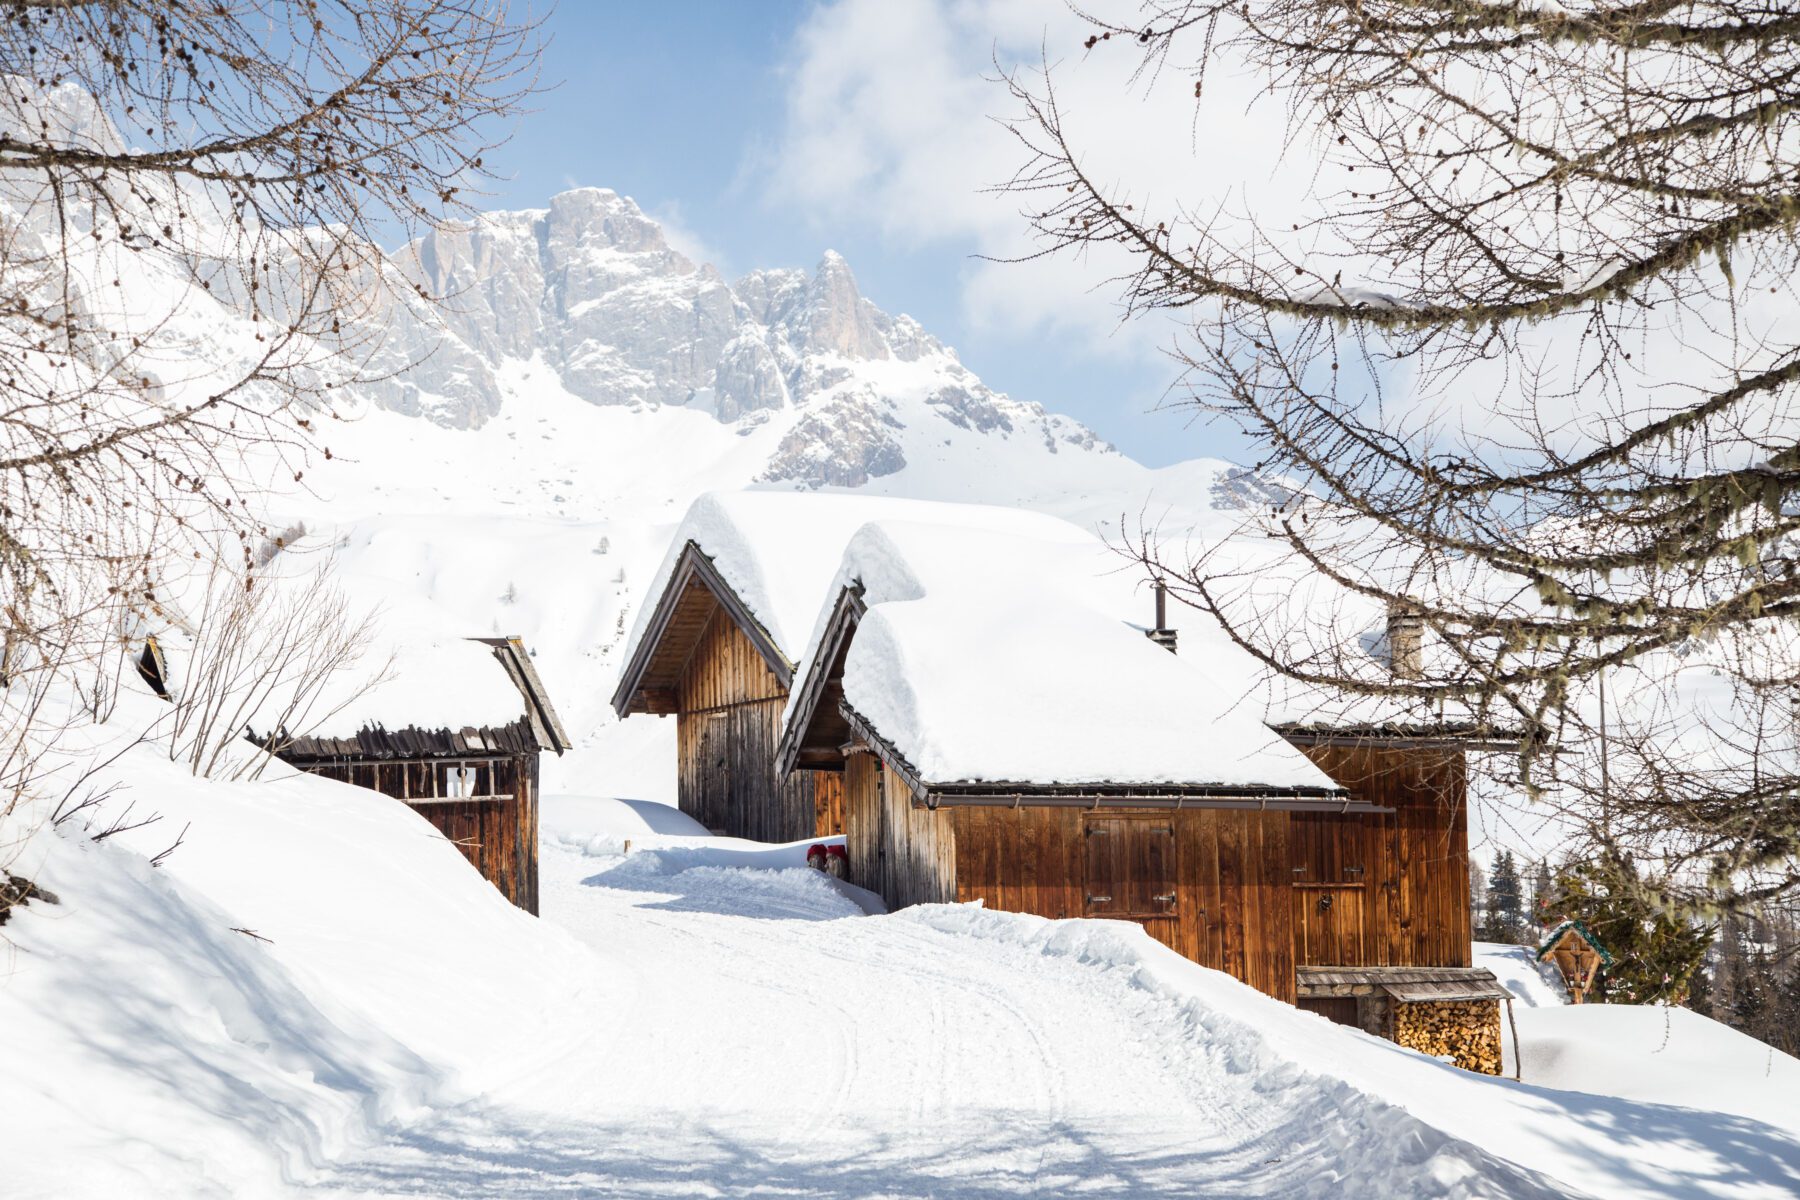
(1162, 635)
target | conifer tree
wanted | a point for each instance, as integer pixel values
(1543, 890)
(1506, 905)
(1655, 951)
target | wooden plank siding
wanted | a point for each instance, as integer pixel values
(496, 828)
(728, 722)
(1408, 904)
(1255, 893)
(1226, 868)
(906, 855)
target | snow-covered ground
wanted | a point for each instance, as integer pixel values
(705, 1017)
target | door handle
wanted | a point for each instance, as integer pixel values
(1099, 899)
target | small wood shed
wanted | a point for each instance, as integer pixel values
(706, 658)
(477, 784)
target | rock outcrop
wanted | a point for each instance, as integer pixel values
(591, 288)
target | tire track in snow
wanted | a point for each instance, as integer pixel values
(770, 1049)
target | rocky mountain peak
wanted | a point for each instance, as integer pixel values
(590, 288)
(592, 217)
(838, 319)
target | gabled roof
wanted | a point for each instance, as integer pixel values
(1000, 655)
(1579, 929)
(695, 591)
(769, 558)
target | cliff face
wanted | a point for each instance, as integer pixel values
(590, 289)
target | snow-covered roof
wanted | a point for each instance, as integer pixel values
(421, 680)
(1002, 646)
(442, 682)
(777, 553)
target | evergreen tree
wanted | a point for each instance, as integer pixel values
(1506, 903)
(1655, 950)
(1729, 972)
(1543, 897)
(1700, 993)
(1754, 1011)
(1787, 1021)
(1478, 902)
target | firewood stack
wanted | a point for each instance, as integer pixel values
(1466, 1030)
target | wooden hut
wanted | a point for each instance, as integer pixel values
(717, 648)
(475, 782)
(709, 660)
(1007, 736)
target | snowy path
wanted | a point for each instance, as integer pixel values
(767, 1042)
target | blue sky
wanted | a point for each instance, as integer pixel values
(695, 109)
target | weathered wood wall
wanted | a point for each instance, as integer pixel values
(496, 829)
(1229, 870)
(1389, 889)
(728, 724)
(903, 854)
(1248, 892)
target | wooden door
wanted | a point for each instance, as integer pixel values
(715, 774)
(1328, 925)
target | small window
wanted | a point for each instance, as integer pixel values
(459, 782)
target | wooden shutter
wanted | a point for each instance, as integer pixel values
(1151, 850)
(1130, 868)
(1105, 883)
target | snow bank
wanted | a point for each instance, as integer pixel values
(1532, 983)
(1613, 1146)
(1012, 649)
(153, 1047)
(665, 843)
(1660, 1055)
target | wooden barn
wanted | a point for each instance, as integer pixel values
(717, 648)
(475, 779)
(1006, 735)
(713, 664)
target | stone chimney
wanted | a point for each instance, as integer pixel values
(1162, 635)
(1405, 642)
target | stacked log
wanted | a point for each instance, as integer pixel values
(1467, 1031)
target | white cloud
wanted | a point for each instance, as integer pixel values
(890, 123)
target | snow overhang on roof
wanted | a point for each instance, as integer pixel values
(1000, 658)
(448, 695)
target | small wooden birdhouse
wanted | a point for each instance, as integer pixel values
(1578, 954)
